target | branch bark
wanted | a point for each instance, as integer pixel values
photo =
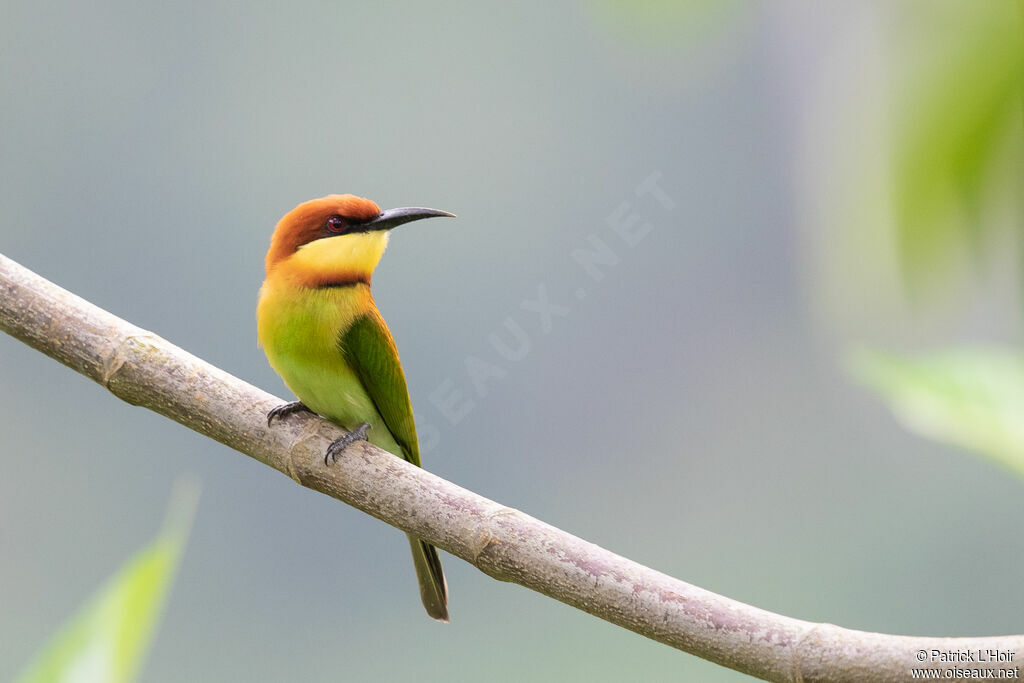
(506, 544)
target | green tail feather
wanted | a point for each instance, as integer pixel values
(433, 587)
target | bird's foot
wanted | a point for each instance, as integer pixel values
(286, 409)
(339, 445)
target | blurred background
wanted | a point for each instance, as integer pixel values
(823, 210)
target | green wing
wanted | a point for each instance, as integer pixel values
(370, 351)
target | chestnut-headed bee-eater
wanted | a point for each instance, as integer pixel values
(323, 334)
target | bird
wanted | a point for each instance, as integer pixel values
(323, 334)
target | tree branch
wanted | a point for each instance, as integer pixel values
(145, 370)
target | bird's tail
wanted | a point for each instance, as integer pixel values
(433, 587)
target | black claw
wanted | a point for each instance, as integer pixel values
(340, 444)
(285, 409)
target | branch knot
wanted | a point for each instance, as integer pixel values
(112, 362)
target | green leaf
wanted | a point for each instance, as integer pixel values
(956, 102)
(971, 398)
(108, 639)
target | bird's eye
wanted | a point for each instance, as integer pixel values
(336, 224)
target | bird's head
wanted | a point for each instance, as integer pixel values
(335, 240)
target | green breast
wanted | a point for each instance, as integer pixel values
(300, 332)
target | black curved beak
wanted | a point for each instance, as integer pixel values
(392, 218)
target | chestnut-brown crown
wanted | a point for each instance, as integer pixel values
(309, 221)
